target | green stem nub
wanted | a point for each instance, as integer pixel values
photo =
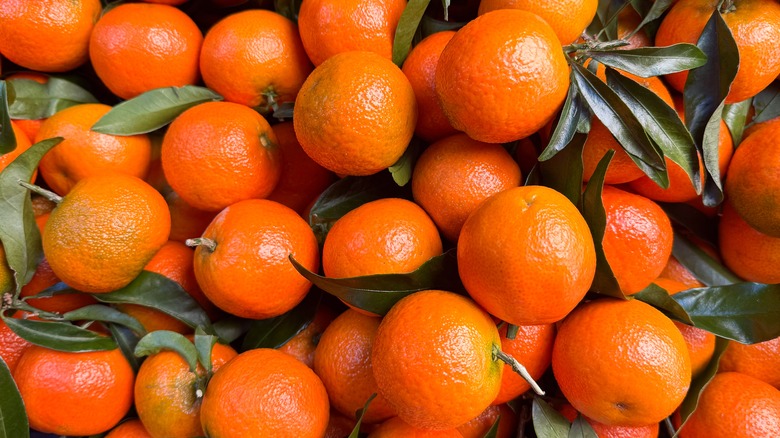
(517, 367)
(209, 244)
(51, 196)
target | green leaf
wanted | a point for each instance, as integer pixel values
(160, 340)
(407, 26)
(151, 289)
(18, 231)
(7, 137)
(581, 429)
(13, 418)
(702, 265)
(359, 414)
(349, 193)
(60, 336)
(231, 328)
(744, 312)
(658, 9)
(566, 127)
(767, 103)
(378, 293)
(548, 423)
(701, 381)
(152, 110)
(36, 101)
(275, 332)
(97, 312)
(661, 122)
(659, 298)
(511, 331)
(693, 220)
(430, 25)
(652, 61)
(735, 116)
(204, 343)
(618, 119)
(592, 210)
(126, 340)
(607, 14)
(563, 172)
(288, 8)
(493, 431)
(403, 168)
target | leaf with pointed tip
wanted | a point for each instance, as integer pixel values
(407, 26)
(275, 332)
(701, 381)
(160, 340)
(658, 9)
(60, 336)
(702, 265)
(13, 418)
(204, 343)
(35, 101)
(652, 61)
(566, 126)
(359, 415)
(563, 172)
(735, 116)
(402, 169)
(7, 136)
(659, 298)
(97, 312)
(548, 423)
(126, 340)
(767, 103)
(581, 429)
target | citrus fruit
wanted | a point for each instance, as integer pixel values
(398, 428)
(132, 428)
(748, 252)
(568, 18)
(758, 360)
(532, 347)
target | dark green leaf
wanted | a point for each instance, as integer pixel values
(60, 336)
(7, 137)
(13, 418)
(735, 116)
(658, 8)
(231, 328)
(97, 312)
(548, 423)
(378, 293)
(659, 298)
(152, 110)
(652, 61)
(693, 220)
(511, 331)
(160, 340)
(18, 231)
(581, 429)
(204, 344)
(38, 101)
(593, 211)
(701, 381)
(493, 431)
(618, 119)
(284, 111)
(359, 415)
(744, 312)
(275, 332)
(702, 265)
(767, 103)
(288, 8)
(403, 168)
(607, 14)
(563, 172)
(126, 340)
(567, 124)
(660, 122)
(430, 25)
(157, 291)
(407, 26)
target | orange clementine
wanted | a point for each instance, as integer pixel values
(398, 428)
(74, 393)
(759, 360)
(11, 345)
(526, 255)
(265, 392)
(755, 26)
(329, 27)
(493, 64)
(638, 366)
(85, 153)
(532, 347)
(355, 114)
(87, 241)
(568, 18)
(50, 36)
(168, 395)
(218, 153)
(748, 252)
(455, 174)
(129, 429)
(137, 47)
(674, 270)
(44, 278)
(242, 263)
(304, 344)
(434, 359)
(186, 221)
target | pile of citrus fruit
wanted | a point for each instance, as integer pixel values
(390, 218)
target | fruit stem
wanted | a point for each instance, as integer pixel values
(51, 196)
(727, 6)
(210, 245)
(516, 367)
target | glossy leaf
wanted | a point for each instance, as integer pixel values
(618, 119)
(160, 340)
(60, 336)
(659, 298)
(693, 220)
(581, 429)
(548, 423)
(275, 332)
(566, 127)
(592, 210)
(378, 293)
(38, 101)
(151, 289)
(18, 231)
(657, 9)
(407, 26)
(767, 103)
(735, 116)
(152, 110)
(652, 61)
(7, 137)
(97, 312)
(563, 172)
(126, 340)
(403, 168)
(204, 343)
(359, 415)
(493, 431)
(702, 265)
(701, 381)
(13, 418)
(660, 122)
(607, 13)
(231, 328)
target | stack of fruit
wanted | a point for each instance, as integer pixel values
(332, 218)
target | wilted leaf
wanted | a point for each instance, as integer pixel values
(160, 340)
(407, 26)
(36, 101)
(275, 332)
(60, 336)
(13, 418)
(548, 423)
(652, 61)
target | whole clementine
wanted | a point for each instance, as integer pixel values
(748, 252)
(355, 114)
(87, 241)
(218, 153)
(526, 255)
(759, 360)
(492, 64)
(84, 152)
(532, 347)
(132, 428)
(48, 36)
(74, 393)
(11, 345)
(241, 262)
(638, 365)
(398, 428)
(137, 47)
(568, 18)
(265, 392)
